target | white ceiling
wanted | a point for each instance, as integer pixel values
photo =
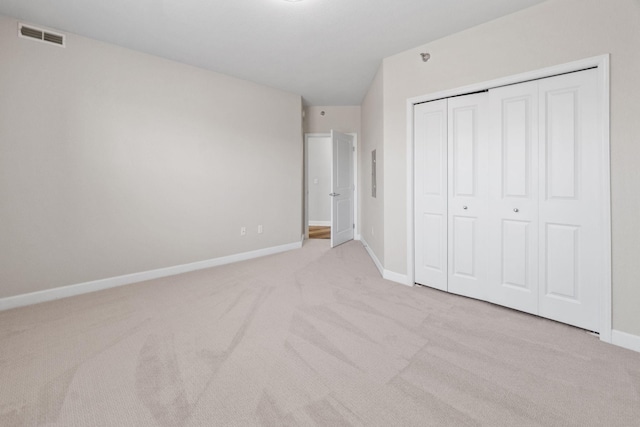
(325, 50)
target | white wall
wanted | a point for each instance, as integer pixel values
(372, 212)
(344, 119)
(319, 155)
(554, 32)
(115, 162)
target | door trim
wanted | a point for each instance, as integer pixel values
(601, 63)
(356, 234)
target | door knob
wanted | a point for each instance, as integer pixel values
(465, 208)
(334, 194)
(516, 210)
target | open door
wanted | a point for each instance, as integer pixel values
(342, 189)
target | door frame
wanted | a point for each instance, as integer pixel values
(601, 63)
(356, 234)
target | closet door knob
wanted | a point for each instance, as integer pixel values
(464, 207)
(516, 210)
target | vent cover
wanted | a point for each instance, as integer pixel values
(39, 34)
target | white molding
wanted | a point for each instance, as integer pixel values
(403, 279)
(582, 64)
(373, 256)
(606, 305)
(411, 271)
(319, 223)
(112, 282)
(602, 64)
(623, 339)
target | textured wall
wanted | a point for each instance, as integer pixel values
(114, 162)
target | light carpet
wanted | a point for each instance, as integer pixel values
(308, 337)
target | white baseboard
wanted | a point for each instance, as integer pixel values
(623, 339)
(320, 223)
(403, 279)
(373, 256)
(112, 282)
(386, 274)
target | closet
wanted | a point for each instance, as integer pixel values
(508, 196)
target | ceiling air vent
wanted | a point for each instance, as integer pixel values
(40, 35)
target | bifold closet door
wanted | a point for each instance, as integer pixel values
(571, 199)
(513, 196)
(522, 221)
(468, 195)
(430, 193)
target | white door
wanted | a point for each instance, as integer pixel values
(571, 177)
(430, 193)
(513, 197)
(525, 180)
(342, 189)
(468, 195)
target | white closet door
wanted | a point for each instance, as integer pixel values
(430, 187)
(513, 196)
(571, 227)
(468, 195)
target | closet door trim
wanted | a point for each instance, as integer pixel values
(601, 63)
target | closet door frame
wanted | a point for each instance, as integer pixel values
(601, 63)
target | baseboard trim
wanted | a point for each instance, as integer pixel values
(403, 279)
(112, 282)
(320, 223)
(623, 339)
(373, 256)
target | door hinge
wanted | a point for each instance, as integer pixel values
(354, 226)
(353, 149)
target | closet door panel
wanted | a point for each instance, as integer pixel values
(465, 150)
(562, 255)
(562, 157)
(570, 204)
(513, 197)
(515, 266)
(430, 198)
(468, 194)
(464, 247)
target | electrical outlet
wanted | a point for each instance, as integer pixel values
(260, 229)
(243, 231)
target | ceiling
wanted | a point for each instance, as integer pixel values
(328, 51)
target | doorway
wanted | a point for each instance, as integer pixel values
(324, 159)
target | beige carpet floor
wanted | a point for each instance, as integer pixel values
(309, 337)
